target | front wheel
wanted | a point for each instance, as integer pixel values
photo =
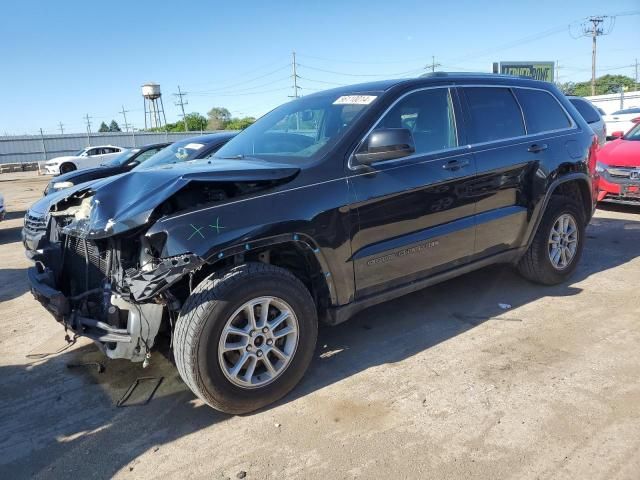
(245, 337)
(66, 168)
(557, 246)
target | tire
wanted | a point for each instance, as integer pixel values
(66, 168)
(204, 319)
(536, 264)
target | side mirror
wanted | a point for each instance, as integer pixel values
(618, 134)
(386, 144)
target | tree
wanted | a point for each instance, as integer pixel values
(218, 118)
(195, 122)
(103, 128)
(604, 84)
(114, 127)
(239, 123)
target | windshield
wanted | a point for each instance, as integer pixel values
(633, 134)
(299, 130)
(174, 153)
(80, 152)
(122, 158)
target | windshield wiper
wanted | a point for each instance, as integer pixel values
(232, 157)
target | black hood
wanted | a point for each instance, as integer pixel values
(116, 204)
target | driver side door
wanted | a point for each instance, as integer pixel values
(414, 216)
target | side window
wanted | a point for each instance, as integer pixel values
(494, 114)
(93, 151)
(542, 112)
(146, 155)
(588, 111)
(429, 115)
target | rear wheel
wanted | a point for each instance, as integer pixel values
(557, 246)
(66, 168)
(245, 337)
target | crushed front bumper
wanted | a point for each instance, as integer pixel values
(133, 342)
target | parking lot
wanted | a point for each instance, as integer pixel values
(443, 383)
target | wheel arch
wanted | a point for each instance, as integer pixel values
(296, 252)
(574, 185)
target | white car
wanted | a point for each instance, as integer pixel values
(2, 210)
(87, 158)
(622, 120)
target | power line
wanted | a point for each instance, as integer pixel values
(247, 89)
(357, 74)
(236, 84)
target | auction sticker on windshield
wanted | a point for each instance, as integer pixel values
(194, 146)
(355, 100)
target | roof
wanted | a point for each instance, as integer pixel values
(426, 79)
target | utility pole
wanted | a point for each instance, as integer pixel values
(88, 120)
(433, 64)
(295, 85)
(124, 114)
(181, 103)
(61, 125)
(44, 148)
(295, 76)
(594, 30)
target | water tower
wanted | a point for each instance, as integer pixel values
(153, 107)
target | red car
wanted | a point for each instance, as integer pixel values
(619, 169)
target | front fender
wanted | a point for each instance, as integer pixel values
(315, 217)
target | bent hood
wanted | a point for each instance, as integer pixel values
(621, 153)
(116, 204)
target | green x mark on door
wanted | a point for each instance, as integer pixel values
(217, 227)
(196, 231)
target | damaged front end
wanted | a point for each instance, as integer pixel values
(100, 272)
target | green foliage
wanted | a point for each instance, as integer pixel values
(218, 118)
(239, 123)
(604, 84)
(103, 128)
(114, 127)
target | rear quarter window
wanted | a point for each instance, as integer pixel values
(588, 112)
(542, 112)
(493, 113)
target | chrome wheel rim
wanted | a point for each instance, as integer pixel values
(563, 241)
(258, 342)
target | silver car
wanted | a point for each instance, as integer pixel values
(592, 116)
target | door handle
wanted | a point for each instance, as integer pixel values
(537, 147)
(455, 164)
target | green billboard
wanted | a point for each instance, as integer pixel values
(539, 70)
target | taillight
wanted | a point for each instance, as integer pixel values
(593, 151)
(636, 120)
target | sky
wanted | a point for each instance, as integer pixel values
(61, 60)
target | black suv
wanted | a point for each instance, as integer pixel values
(326, 205)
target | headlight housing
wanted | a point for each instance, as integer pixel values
(62, 185)
(601, 167)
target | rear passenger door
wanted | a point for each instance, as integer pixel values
(414, 217)
(512, 132)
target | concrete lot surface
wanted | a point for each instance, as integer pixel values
(440, 384)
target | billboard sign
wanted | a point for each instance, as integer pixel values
(537, 70)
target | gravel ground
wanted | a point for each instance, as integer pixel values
(443, 383)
